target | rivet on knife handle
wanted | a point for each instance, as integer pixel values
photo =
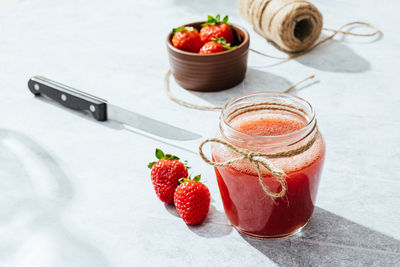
(69, 97)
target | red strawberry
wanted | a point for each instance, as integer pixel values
(214, 28)
(165, 174)
(215, 46)
(187, 39)
(192, 200)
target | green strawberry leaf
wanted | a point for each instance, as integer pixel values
(221, 40)
(186, 164)
(151, 164)
(197, 178)
(179, 29)
(229, 47)
(169, 156)
(182, 28)
(211, 21)
(159, 154)
(183, 180)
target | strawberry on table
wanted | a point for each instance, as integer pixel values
(215, 28)
(165, 174)
(215, 46)
(187, 39)
(192, 200)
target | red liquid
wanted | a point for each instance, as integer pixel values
(248, 207)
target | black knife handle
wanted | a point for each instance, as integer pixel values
(69, 97)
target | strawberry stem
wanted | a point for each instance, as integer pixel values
(151, 164)
(211, 21)
(197, 178)
(161, 155)
(221, 40)
(182, 28)
(187, 179)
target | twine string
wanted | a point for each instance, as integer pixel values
(335, 32)
(258, 158)
(324, 40)
(182, 102)
(167, 90)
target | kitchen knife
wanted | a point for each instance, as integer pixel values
(103, 111)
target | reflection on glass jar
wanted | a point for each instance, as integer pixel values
(269, 122)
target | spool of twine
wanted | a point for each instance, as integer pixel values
(291, 25)
(258, 158)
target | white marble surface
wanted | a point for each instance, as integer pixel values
(74, 192)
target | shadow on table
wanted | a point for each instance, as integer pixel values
(115, 125)
(331, 240)
(334, 56)
(215, 225)
(34, 191)
(172, 210)
(255, 81)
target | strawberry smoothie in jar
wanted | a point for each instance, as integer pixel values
(279, 130)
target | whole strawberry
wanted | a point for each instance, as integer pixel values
(165, 174)
(214, 28)
(215, 46)
(187, 39)
(192, 200)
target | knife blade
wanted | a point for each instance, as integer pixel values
(103, 111)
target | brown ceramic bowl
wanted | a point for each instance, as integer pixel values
(211, 72)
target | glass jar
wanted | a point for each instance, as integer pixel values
(269, 122)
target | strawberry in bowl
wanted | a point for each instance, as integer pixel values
(214, 28)
(215, 46)
(187, 39)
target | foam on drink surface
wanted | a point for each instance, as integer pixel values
(271, 123)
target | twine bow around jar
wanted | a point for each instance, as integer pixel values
(259, 159)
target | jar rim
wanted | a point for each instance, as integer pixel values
(310, 118)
